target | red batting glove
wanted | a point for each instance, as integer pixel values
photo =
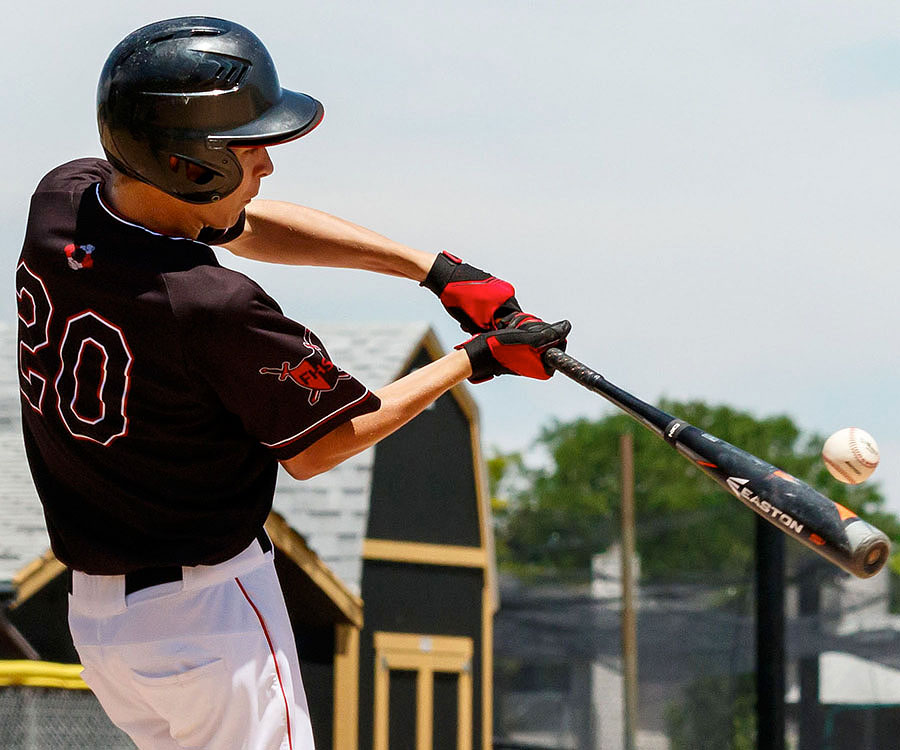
(515, 349)
(474, 298)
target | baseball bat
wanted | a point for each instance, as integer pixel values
(826, 527)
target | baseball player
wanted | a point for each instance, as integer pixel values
(160, 390)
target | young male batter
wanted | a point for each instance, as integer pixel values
(153, 420)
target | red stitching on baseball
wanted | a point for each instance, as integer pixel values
(839, 470)
(857, 454)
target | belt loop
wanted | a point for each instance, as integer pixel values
(101, 595)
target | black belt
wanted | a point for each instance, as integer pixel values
(144, 578)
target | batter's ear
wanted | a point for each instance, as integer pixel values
(195, 172)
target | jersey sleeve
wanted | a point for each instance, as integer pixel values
(71, 179)
(273, 373)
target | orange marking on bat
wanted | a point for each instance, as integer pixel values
(784, 475)
(844, 513)
(816, 539)
(707, 463)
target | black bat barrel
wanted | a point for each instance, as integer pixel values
(793, 506)
(823, 525)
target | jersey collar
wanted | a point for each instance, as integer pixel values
(115, 217)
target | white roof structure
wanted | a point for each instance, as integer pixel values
(330, 511)
(848, 680)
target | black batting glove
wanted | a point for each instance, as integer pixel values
(473, 297)
(516, 348)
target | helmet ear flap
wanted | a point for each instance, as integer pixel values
(197, 173)
(192, 175)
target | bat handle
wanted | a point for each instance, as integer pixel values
(568, 365)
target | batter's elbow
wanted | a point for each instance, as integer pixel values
(300, 472)
(304, 466)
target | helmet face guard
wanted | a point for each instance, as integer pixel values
(174, 96)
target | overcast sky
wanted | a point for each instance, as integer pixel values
(707, 190)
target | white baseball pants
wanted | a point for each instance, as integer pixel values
(205, 662)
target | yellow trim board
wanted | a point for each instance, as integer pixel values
(346, 688)
(42, 674)
(294, 546)
(34, 576)
(485, 520)
(428, 554)
(487, 666)
(425, 655)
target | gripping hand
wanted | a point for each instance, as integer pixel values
(515, 348)
(474, 298)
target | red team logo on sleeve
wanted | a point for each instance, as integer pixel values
(316, 376)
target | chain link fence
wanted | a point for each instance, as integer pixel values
(33, 718)
(559, 671)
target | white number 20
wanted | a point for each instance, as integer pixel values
(91, 401)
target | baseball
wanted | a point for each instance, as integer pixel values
(851, 455)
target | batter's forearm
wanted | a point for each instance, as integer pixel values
(279, 232)
(400, 402)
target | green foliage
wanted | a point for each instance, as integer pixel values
(687, 526)
(718, 713)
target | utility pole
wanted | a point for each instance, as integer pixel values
(629, 619)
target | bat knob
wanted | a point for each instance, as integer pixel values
(876, 558)
(870, 548)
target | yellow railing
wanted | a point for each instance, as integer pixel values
(41, 674)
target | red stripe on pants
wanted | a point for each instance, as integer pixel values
(262, 622)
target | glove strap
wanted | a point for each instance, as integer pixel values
(480, 357)
(441, 272)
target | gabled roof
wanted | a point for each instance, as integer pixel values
(330, 511)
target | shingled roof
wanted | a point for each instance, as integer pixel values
(23, 534)
(330, 511)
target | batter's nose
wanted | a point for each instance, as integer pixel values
(265, 167)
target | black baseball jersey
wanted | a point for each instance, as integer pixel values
(159, 389)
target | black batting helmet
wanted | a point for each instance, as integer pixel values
(174, 95)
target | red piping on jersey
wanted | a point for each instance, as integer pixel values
(262, 622)
(322, 421)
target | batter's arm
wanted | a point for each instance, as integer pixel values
(515, 349)
(279, 232)
(400, 402)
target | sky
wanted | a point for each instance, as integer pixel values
(708, 191)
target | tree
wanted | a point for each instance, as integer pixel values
(716, 713)
(687, 526)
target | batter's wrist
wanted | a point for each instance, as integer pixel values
(440, 272)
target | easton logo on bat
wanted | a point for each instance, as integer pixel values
(739, 488)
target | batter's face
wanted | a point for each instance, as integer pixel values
(256, 164)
